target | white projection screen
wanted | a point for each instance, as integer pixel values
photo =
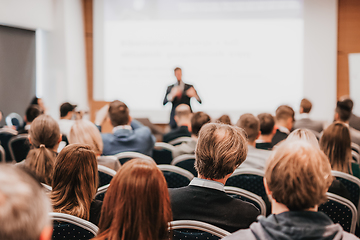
(241, 56)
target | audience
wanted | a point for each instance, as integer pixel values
(40, 103)
(297, 177)
(24, 207)
(267, 130)
(183, 120)
(197, 121)
(284, 119)
(354, 120)
(305, 121)
(31, 113)
(66, 118)
(136, 205)
(75, 182)
(224, 119)
(219, 151)
(85, 132)
(256, 158)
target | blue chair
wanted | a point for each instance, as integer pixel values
(105, 175)
(185, 161)
(176, 177)
(14, 119)
(162, 153)
(19, 147)
(126, 156)
(196, 230)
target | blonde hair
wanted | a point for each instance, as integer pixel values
(84, 131)
(304, 134)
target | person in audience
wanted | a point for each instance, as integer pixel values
(297, 177)
(255, 158)
(85, 132)
(220, 149)
(136, 205)
(336, 144)
(66, 118)
(128, 134)
(40, 103)
(305, 121)
(343, 112)
(224, 119)
(75, 182)
(24, 206)
(183, 121)
(31, 113)
(197, 121)
(267, 131)
(304, 134)
(354, 120)
(44, 136)
(284, 122)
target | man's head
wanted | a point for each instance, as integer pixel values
(197, 121)
(298, 175)
(285, 116)
(267, 123)
(178, 73)
(24, 207)
(32, 112)
(343, 109)
(251, 125)
(119, 113)
(183, 115)
(67, 110)
(305, 106)
(220, 149)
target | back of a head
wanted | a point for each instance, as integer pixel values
(183, 111)
(32, 112)
(220, 149)
(198, 119)
(336, 144)
(118, 113)
(298, 175)
(267, 123)
(65, 108)
(306, 105)
(344, 108)
(24, 207)
(303, 134)
(284, 112)
(250, 124)
(138, 194)
(75, 180)
(225, 119)
(84, 131)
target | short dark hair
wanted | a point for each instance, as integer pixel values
(344, 109)
(65, 108)
(267, 123)
(284, 112)
(250, 124)
(118, 113)
(198, 120)
(32, 112)
(220, 149)
(306, 105)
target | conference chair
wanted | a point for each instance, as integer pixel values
(2, 154)
(105, 175)
(196, 230)
(355, 147)
(126, 156)
(100, 193)
(180, 140)
(355, 156)
(185, 161)
(111, 162)
(341, 211)
(19, 147)
(14, 119)
(162, 153)
(247, 197)
(46, 187)
(5, 135)
(251, 180)
(69, 227)
(176, 177)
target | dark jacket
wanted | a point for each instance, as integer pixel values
(278, 137)
(181, 131)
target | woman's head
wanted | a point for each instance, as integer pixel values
(336, 144)
(136, 205)
(303, 134)
(75, 180)
(86, 132)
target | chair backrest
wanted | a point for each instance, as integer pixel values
(341, 211)
(162, 153)
(2, 154)
(19, 147)
(352, 184)
(109, 161)
(355, 147)
(185, 161)
(14, 119)
(355, 156)
(126, 156)
(247, 197)
(70, 227)
(5, 136)
(105, 175)
(46, 187)
(180, 140)
(191, 230)
(100, 193)
(176, 177)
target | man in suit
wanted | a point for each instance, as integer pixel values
(305, 121)
(128, 135)
(256, 158)
(267, 129)
(179, 93)
(183, 121)
(284, 118)
(204, 199)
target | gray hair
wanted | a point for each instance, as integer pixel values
(24, 207)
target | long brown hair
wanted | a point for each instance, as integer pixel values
(137, 204)
(75, 180)
(44, 136)
(336, 144)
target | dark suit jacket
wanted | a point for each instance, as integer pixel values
(354, 122)
(211, 206)
(307, 123)
(181, 131)
(278, 137)
(177, 101)
(264, 146)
